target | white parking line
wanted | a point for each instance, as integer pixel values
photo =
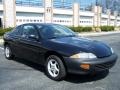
(1, 48)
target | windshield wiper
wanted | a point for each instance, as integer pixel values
(70, 36)
(53, 37)
(61, 36)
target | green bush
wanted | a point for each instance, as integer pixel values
(86, 29)
(3, 31)
(107, 28)
(81, 29)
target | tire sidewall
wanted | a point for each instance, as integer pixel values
(62, 72)
(10, 52)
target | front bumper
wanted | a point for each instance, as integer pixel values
(96, 65)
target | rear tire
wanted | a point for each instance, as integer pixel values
(8, 52)
(55, 68)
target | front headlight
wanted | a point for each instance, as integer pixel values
(84, 55)
(112, 50)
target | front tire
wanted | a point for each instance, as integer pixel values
(8, 52)
(55, 68)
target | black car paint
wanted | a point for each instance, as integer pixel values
(29, 49)
(99, 64)
(35, 50)
(77, 44)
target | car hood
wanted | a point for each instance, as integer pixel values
(85, 45)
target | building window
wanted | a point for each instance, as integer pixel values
(20, 20)
(30, 3)
(17, 20)
(27, 20)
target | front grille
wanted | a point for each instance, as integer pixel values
(104, 66)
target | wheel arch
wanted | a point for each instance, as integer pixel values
(48, 53)
(5, 43)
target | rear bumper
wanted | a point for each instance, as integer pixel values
(96, 65)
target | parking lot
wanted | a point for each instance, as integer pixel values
(20, 74)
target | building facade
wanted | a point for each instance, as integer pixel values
(16, 12)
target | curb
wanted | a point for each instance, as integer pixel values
(98, 33)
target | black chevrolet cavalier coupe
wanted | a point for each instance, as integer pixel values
(59, 49)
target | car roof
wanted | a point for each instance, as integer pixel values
(39, 24)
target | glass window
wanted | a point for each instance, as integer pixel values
(20, 20)
(63, 4)
(37, 20)
(17, 31)
(55, 31)
(1, 1)
(29, 30)
(30, 3)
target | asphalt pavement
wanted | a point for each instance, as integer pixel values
(20, 74)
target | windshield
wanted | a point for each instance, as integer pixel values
(55, 31)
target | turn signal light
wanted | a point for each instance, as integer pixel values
(85, 66)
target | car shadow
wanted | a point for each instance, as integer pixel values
(30, 64)
(73, 78)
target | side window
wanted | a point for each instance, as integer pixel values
(45, 32)
(29, 30)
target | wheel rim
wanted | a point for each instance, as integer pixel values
(7, 52)
(53, 68)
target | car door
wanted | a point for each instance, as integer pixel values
(30, 47)
(14, 40)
